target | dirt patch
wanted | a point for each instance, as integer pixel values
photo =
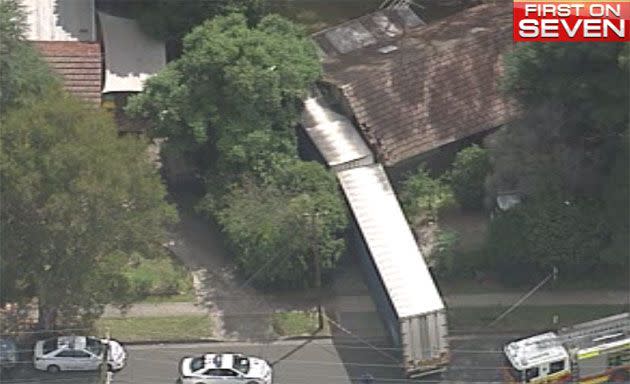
(471, 227)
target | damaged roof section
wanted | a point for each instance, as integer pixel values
(131, 56)
(378, 28)
(413, 88)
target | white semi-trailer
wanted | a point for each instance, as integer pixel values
(401, 285)
(403, 290)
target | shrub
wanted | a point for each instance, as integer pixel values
(467, 177)
(273, 231)
(422, 196)
(444, 252)
(157, 277)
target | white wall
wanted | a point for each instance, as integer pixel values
(60, 20)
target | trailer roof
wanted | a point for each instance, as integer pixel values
(333, 134)
(388, 237)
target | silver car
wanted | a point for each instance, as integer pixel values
(77, 353)
(224, 368)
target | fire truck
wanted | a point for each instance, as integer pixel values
(594, 352)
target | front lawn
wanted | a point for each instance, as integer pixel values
(294, 323)
(187, 297)
(167, 328)
(526, 318)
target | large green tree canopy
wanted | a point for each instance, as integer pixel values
(576, 97)
(586, 82)
(233, 99)
(173, 19)
(233, 83)
(567, 156)
(76, 199)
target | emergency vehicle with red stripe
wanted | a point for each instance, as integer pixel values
(594, 352)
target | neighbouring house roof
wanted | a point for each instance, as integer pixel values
(437, 84)
(79, 65)
(131, 56)
(60, 20)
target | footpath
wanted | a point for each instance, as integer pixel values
(364, 303)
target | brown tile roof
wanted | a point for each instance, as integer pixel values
(78, 63)
(440, 86)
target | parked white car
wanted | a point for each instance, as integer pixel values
(224, 368)
(77, 353)
(8, 354)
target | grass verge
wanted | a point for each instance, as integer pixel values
(294, 323)
(529, 318)
(188, 297)
(168, 328)
(618, 282)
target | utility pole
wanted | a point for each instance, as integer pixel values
(106, 375)
(317, 268)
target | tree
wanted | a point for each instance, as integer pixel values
(615, 195)
(232, 100)
(564, 157)
(576, 98)
(76, 201)
(277, 228)
(585, 82)
(233, 84)
(23, 75)
(172, 20)
(470, 168)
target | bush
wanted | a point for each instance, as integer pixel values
(444, 252)
(422, 196)
(157, 277)
(525, 242)
(274, 229)
(467, 178)
(294, 323)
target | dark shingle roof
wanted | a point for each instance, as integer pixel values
(439, 86)
(78, 63)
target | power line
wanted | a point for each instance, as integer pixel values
(553, 275)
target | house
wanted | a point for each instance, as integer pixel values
(412, 88)
(65, 34)
(101, 58)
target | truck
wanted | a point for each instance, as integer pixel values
(400, 284)
(593, 352)
(397, 276)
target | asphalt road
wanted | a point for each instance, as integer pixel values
(340, 361)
